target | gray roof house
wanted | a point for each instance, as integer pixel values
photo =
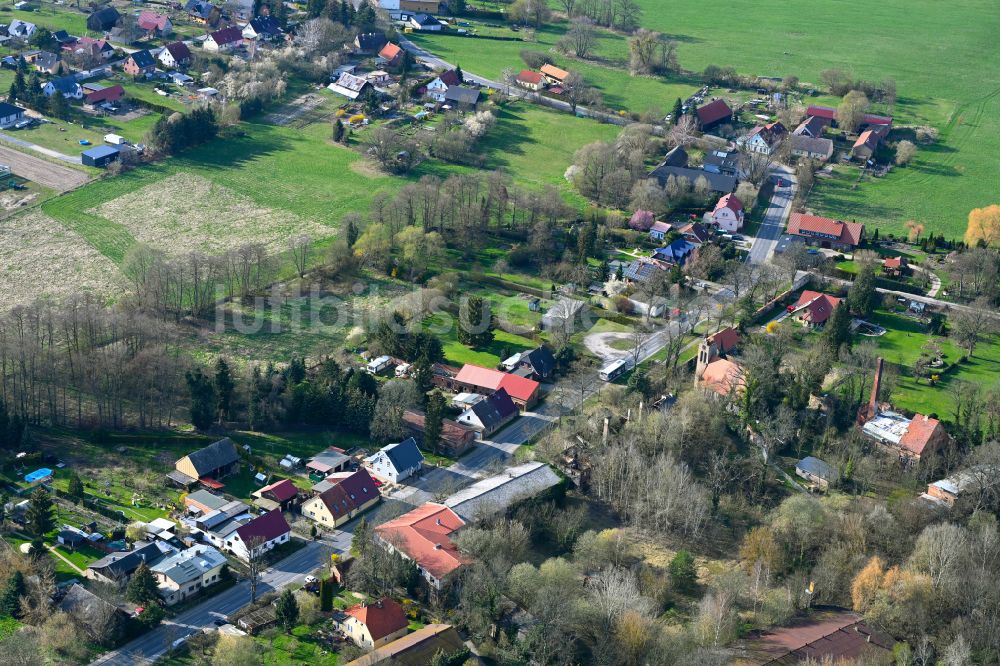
(462, 96)
(816, 471)
(489, 415)
(564, 314)
(538, 364)
(103, 19)
(396, 462)
(184, 573)
(101, 619)
(817, 148)
(717, 182)
(212, 462)
(676, 157)
(498, 493)
(119, 567)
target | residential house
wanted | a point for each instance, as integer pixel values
(204, 502)
(329, 461)
(675, 157)
(676, 252)
(281, 495)
(825, 636)
(726, 162)
(351, 86)
(728, 213)
(101, 619)
(827, 233)
(215, 526)
(391, 55)
(813, 308)
(19, 29)
(891, 266)
(565, 315)
(175, 54)
(155, 25)
(98, 48)
(10, 114)
(460, 97)
(538, 364)
(184, 574)
(140, 63)
(455, 439)
(348, 495)
(643, 269)
(695, 233)
(379, 77)
(67, 86)
(818, 149)
(204, 13)
(713, 115)
(722, 342)
(266, 28)
(47, 62)
(414, 649)
(497, 494)
(71, 537)
(396, 8)
(372, 625)
(103, 19)
(64, 39)
(475, 379)
(96, 94)
(117, 568)
(659, 230)
(258, 536)
(554, 75)
(216, 461)
(715, 182)
(530, 80)
(765, 139)
(812, 127)
(370, 43)
(490, 414)
(817, 472)
(439, 86)
(866, 145)
(397, 462)
(424, 536)
(423, 22)
(225, 39)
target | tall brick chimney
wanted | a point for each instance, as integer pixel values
(869, 412)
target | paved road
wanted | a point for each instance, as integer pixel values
(774, 217)
(149, 647)
(72, 159)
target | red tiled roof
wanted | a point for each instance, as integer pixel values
(519, 388)
(919, 433)
(818, 306)
(893, 262)
(729, 201)
(849, 233)
(840, 635)
(270, 526)
(555, 72)
(283, 490)
(424, 535)
(822, 111)
(713, 112)
(152, 21)
(868, 138)
(211, 483)
(451, 431)
(726, 340)
(872, 119)
(109, 94)
(390, 51)
(528, 76)
(450, 78)
(722, 376)
(382, 618)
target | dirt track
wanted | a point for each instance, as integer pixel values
(43, 172)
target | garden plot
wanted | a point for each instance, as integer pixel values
(187, 212)
(39, 257)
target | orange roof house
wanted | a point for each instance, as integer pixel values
(521, 390)
(424, 536)
(826, 232)
(554, 74)
(373, 625)
(722, 377)
(390, 53)
(814, 308)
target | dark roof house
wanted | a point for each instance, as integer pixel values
(717, 182)
(539, 363)
(370, 42)
(103, 19)
(714, 114)
(212, 462)
(462, 96)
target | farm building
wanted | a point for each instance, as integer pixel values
(414, 649)
(100, 156)
(281, 494)
(716, 182)
(463, 98)
(455, 439)
(823, 231)
(329, 461)
(95, 94)
(713, 115)
(554, 75)
(811, 148)
(498, 493)
(103, 19)
(817, 472)
(207, 465)
(475, 379)
(350, 86)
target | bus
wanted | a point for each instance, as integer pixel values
(616, 369)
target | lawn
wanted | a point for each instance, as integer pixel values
(64, 136)
(52, 17)
(488, 58)
(932, 50)
(455, 353)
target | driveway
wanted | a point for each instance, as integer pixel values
(777, 211)
(148, 647)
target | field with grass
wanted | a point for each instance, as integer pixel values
(455, 353)
(934, 51)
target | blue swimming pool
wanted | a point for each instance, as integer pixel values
(38, 475)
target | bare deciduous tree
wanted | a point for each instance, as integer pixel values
(300, 246)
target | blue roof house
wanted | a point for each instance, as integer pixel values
(675, 253)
